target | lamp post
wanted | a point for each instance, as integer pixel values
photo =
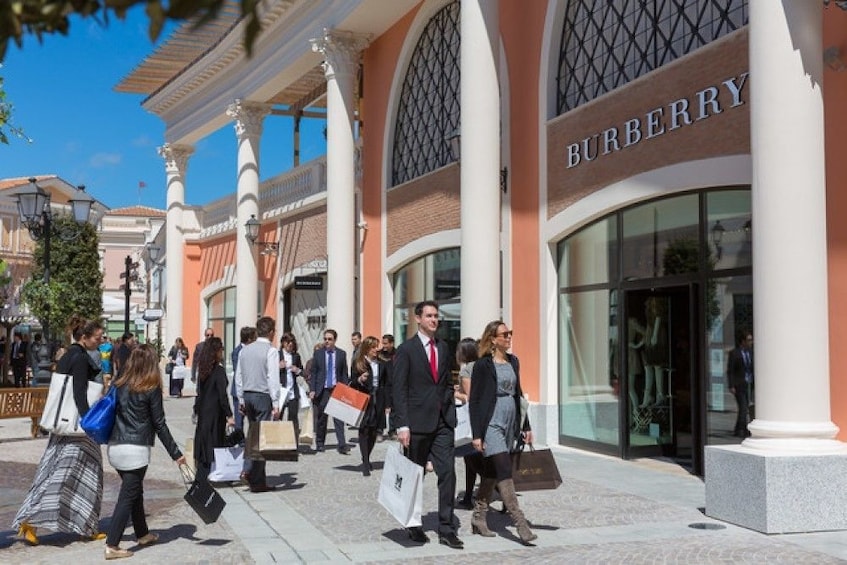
(35, 213)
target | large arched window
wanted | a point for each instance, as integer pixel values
(429, 100)
(607, 44)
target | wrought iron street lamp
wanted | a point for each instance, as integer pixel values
(35, 213)
(252, 226)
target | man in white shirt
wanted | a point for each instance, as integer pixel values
(258, 390)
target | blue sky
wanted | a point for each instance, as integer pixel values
(85, 132)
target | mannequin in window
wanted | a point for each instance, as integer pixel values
(635, 350)
(655, 352)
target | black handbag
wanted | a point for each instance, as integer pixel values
(535, 469)
(169, 368)
(204, 499)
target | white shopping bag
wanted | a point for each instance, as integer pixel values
(401, 488)
(228, 464)
(463, 426)
(181, 373)
(304, 398)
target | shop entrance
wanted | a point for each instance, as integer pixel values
(660, 334)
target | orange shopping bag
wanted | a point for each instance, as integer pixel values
(347, 404)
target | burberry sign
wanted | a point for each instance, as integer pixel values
(659, 121)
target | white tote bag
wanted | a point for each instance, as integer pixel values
(60, 415)
(181, 372)
(401, 488)
(463, 426)
(228, 464)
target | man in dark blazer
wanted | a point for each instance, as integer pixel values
(426, 414)
(739, 373)
(323, 382)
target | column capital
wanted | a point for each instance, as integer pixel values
(248, 117)
(341, 50)
(176, 157)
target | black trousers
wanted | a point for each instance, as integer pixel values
(438, 447)
(19, 371)
(742, 398)
(292, 407)
(130, 505)
(321, 420)
(258, 408)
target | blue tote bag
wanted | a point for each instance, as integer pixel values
(100, 418)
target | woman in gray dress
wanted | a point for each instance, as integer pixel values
(495, 423)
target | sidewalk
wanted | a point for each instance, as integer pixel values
(325, 511)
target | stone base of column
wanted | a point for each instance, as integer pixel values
(776, 493)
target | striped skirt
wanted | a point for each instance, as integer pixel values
(66, 493)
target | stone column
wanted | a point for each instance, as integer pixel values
(248, 118)
(176, 162)
(790, 475)
(341, 51)
(480, 165)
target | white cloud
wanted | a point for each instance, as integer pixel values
(100, 160)
(142, 141)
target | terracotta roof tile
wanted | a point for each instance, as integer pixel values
(145, 211)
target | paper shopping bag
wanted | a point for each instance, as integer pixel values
(347, 404)
(462, 433)
(202, 497)
(307, 426)
(401, 488)
(228, 464)
(535, 469)
(277, 441)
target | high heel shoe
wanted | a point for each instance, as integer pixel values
(27, 532)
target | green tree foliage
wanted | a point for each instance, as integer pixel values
(6, 126)
(38, 17)
(76, 282)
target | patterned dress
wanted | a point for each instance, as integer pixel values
(500, 435)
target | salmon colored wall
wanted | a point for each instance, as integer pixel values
(521, 29)
(192, 276)
(379, 63)
(835, 112)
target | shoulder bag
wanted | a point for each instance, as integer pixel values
(100, 419)
(60, 415)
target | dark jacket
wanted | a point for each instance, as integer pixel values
(317, 380)
(374, 413)
(138, 416)
(484, 395)
(77, 363)
(419, 403)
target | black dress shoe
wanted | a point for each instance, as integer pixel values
(344, 450)
(451, 540)
(261, 488)
(319, 449)
(417, 535)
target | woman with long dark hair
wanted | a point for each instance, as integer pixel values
(139, 417)
(70, 473)
(212, 409)
(367, 374)
(496, 426)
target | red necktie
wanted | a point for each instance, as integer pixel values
(433, 366)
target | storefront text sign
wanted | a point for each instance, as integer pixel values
(659, 121)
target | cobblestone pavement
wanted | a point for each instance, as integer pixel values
(325, 511)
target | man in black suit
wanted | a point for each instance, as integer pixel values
(425, 414)
(18, 360)
(739, 373)
(329, 367)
